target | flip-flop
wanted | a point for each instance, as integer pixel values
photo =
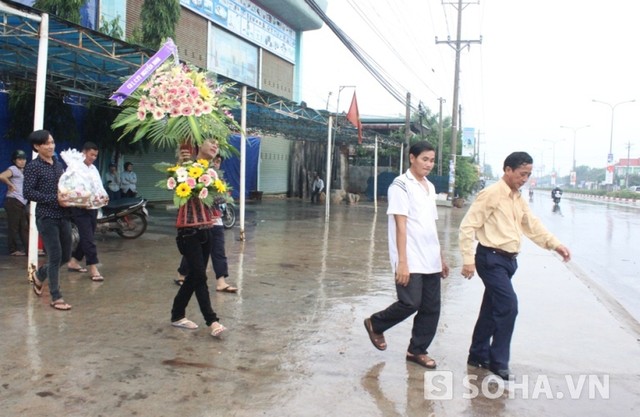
(184, 323)
(59, 304)
(217, 329)
(97, 278)
(179, 282)
(228, 289)
(37, 284)
(79, 269)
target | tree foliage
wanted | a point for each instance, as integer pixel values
(158, 20)
(64, 9)
(112, 27)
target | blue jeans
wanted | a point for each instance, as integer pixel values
(56, 237)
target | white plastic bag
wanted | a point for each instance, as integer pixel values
(77, 188)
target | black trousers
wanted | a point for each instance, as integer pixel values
(218, 255)
(86, 221)
(195, 246)
(421, 295)
(493, 330)
(17, 224)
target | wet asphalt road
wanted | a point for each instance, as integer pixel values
(296, 345)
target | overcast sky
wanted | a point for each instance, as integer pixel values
(539, 66)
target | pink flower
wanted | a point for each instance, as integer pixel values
(182, 91)
(203, 193)
(205, 179)
(206, 108)
(175, 112)
(213, 174)
(194, 92)
(158, 114)
(186, 110)
(171, 183)
(191, 182)
(141, 115)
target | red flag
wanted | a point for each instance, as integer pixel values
(353, 115)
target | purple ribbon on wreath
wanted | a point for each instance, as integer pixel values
(125, 90)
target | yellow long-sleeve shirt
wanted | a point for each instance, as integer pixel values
(497, 219)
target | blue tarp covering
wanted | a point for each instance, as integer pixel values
(231, 166)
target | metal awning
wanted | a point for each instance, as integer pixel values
(80, 59)
(86, 62)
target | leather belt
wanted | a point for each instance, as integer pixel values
(510, 255)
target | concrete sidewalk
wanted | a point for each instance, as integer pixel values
(296, 345)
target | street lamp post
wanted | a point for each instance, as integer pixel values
(613, 108)
(575, 129)
(553, 164)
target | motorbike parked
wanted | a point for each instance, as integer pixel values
(228, 214)
(127, 217)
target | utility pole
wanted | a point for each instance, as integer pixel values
(626, 175)
(457, 46)
(440, 140)
(407, 128)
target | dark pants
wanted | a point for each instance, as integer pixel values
(492, 334)
(113, 195)
(195, 246)
(86, 221)
(421, 295)
(128, 194)
(218, 255)
(56, 236)
(315, 195)
(17, 224)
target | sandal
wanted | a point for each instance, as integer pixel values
(37, 284)
(184, 323)
(422, 360)
(377, 339)
(59, 304)
(97, 278)
(217, 329)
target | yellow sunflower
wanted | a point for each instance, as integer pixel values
(220, 186)
(183, 190)
(195, 171)
(204, 163)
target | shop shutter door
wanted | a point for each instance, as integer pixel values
(273, 173)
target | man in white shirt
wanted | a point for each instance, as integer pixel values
(416, 259)
(316, 188)
(86, 219)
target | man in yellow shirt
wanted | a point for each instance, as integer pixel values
(497, 219)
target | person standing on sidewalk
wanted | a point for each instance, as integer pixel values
(41, 177)
(15, 205)
(316, 188)
(416, 258)
(498, 218)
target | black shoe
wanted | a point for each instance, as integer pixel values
(473, 361)
(502, 373)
